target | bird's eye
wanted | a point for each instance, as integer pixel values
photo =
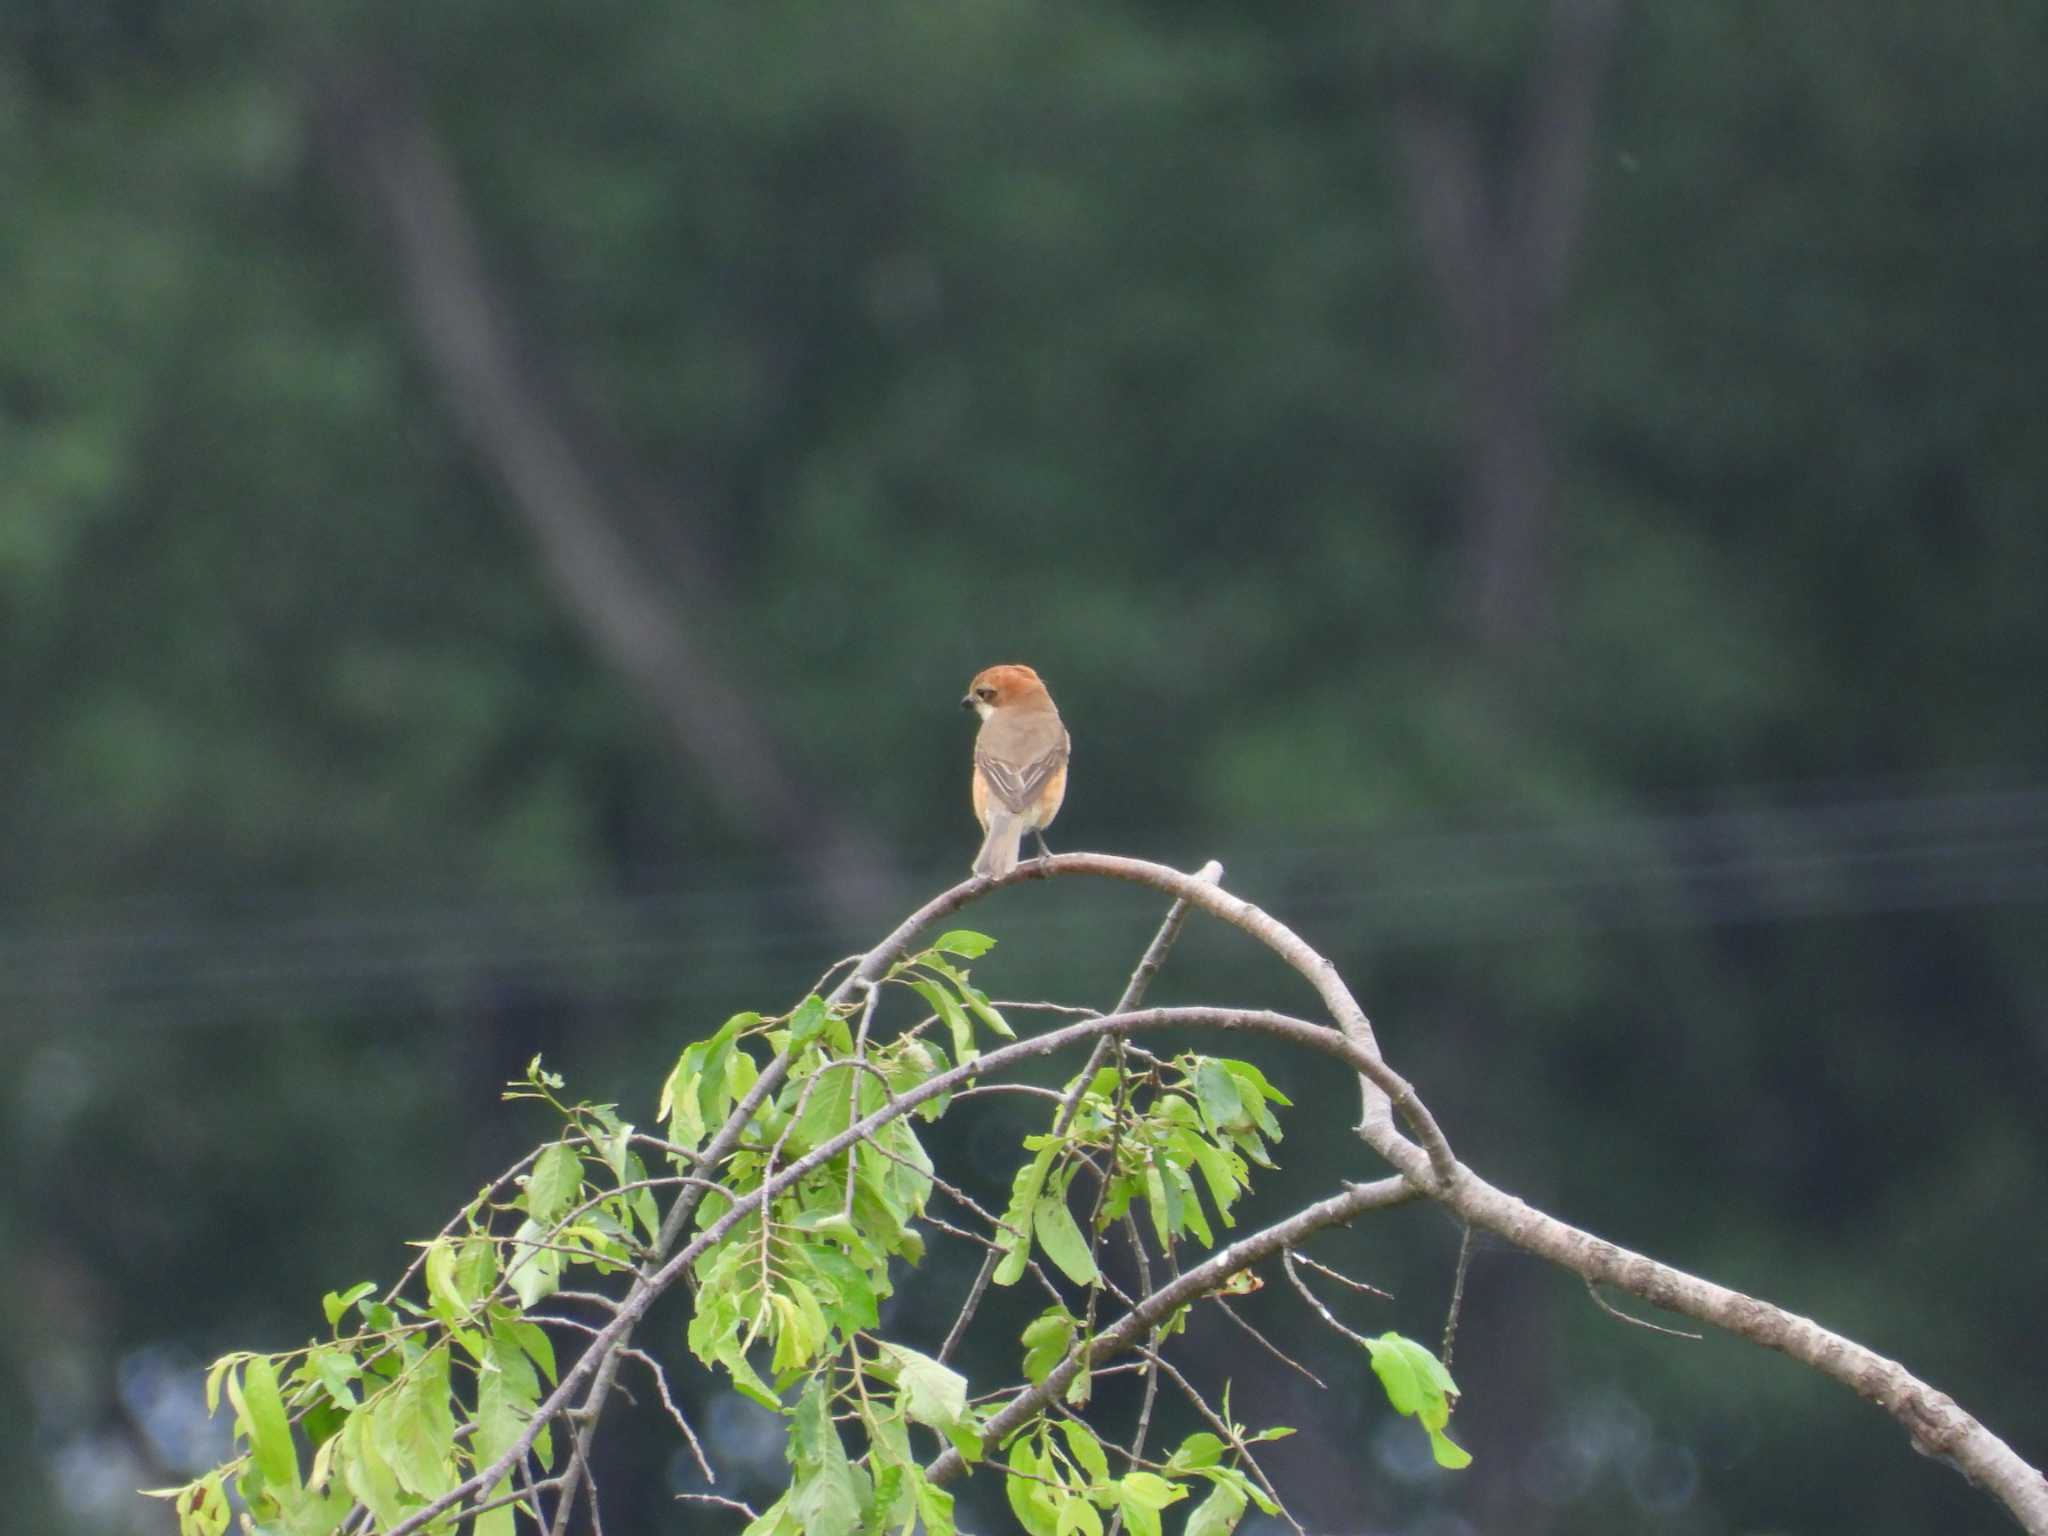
(987, 695)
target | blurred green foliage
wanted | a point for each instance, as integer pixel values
(1096, 337)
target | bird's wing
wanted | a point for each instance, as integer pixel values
(1017, 787)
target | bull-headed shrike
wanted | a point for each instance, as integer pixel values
(1020, 764)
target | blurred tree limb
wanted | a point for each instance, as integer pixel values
(1499, 214)
(654, 613)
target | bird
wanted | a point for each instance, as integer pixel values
(1020, 763)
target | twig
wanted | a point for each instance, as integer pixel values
(1267, 1344)
(721, 1502)
(968, 1308)
(1229, 1433)
(653, 1365)
(1458, 1294)
(1343, 1279)
(1287, 1261)
(1613, 1311)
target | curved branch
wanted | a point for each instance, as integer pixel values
(1933, 1421)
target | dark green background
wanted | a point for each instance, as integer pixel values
(1622, 650)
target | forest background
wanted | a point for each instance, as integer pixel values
(498, 504)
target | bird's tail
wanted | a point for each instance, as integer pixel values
(998, 854)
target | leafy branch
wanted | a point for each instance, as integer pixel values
(800, 1183)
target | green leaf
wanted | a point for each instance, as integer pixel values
(448, 1304)
(850, 1301)
(270, 1432)
(1016, 1244)
(808, 1022)
(1030, 1501)
(367, 1474)
(1201, 1449)
(1140, 1519)
(1216, 1089)
(535, 1272)
(556, 1180)
(1162, 1198)
(1061, 1239)
(1218, 1514)
(935, 1508)
(1417, 1384)
(1086, 1449)
(334, 1303)
(1220, 1170)
(534, 1340)
(1151, 1490)
(948, 1008)
(476, 1268)
(987, 1011)
(1047, 1341)
(1077, 1517)
(964, 942)
(215, 1373)
(932, 1394)
(745, 1379)
(829, 1494)
(414, 1427)
(775, 1520)
(336, 1370)
(1189, 1205)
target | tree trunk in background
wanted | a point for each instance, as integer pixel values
(1499, 230)
(654, 614)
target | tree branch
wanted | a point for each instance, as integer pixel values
(1934, 1423)
(656, 632)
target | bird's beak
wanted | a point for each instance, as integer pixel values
(967, 702)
